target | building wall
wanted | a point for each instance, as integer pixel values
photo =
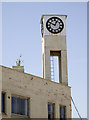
(39, 91)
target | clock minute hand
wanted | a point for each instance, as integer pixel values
(57, 21)
(52, 23)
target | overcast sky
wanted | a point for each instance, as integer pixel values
(21, 34)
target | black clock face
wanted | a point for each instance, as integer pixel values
(54, 25)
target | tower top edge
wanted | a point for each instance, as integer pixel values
(50, 15)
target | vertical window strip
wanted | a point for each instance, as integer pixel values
(63, 112)
(50, 111)
(3, 102)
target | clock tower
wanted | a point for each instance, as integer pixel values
(53, 28)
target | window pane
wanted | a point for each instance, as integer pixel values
(50, 111)
(23, 106)
(26, 107)
(14, 105)
(19, 106)
(3, 103)
(62, 111)
(49, 107)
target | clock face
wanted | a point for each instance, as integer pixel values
(54, 25)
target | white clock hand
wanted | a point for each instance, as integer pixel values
(51, 23)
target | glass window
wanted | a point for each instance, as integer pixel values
(50, 111)
(62, 112)
(3, 102)
(19, 106)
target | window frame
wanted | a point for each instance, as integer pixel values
(21, 97)
(60, 111)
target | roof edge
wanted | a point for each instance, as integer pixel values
(34, 76)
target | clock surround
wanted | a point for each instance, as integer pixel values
(54, 25)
